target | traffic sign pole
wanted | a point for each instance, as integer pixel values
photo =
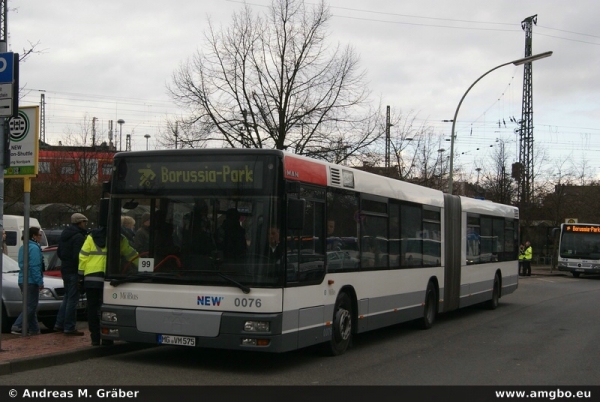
(3, 133)
(9, 107)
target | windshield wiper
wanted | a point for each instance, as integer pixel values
(140, 277)
(244, 288)
(164, 275)
(11, 272)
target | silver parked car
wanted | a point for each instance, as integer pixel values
(12, 301)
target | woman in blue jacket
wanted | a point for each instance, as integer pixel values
(35, 282)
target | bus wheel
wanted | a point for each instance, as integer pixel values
(342, 325)
(429, 312)
(575, 274)
(494, 301)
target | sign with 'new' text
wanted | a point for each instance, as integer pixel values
(24, 143)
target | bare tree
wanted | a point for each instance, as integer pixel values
(431, 162)
(407, 139)
(584, 171)
(273, 82)
(496, 182)
(180, 134)
(556, 193)
(72, 174)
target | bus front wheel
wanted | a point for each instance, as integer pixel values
(342, 325)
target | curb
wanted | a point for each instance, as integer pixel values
(58, 358)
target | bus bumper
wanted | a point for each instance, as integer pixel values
(228, 330)
(579, 268)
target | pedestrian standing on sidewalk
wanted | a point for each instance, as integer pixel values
(92, 266)
(69, 245)
(527, 257)
(521, 256)
(35, 282)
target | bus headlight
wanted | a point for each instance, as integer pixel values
(109, 316)
(257, 326)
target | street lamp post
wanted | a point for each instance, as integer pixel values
(147, 137)
(121, 122)
(517, 62)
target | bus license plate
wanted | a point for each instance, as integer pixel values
(176, 340)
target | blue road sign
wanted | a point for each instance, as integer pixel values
(6, 67)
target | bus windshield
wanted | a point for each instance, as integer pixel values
(582, 245)
(207, 240)
(212, 220)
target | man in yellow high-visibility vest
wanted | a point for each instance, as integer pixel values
(92, 265)
(527, 256)
(521, 257)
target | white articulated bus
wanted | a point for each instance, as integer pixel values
(579, 248)
(210, 275)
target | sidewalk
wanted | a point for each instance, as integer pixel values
(545, 270)
(18, 353)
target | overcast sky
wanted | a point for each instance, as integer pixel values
(113, 59)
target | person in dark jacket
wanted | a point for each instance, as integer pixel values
(274, 250)
(69, 246)
(232, 235)
(142, 236)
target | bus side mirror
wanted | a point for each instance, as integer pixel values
(103, 213)
(105, 187)
(295, 214)
(555, 232)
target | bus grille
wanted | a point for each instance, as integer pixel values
(335, 176)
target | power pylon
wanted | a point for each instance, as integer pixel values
(526, 129)
(3, 22)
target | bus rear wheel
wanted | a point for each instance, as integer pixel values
(429, 311)
(342, 326)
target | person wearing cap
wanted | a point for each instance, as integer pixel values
(69, 246)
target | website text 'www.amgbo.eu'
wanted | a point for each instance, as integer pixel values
(544, 394)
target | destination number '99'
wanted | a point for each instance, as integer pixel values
(243, 302)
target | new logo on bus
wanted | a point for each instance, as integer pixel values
(210, 300)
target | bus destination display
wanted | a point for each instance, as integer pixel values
(184, 175)
(582, 229)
